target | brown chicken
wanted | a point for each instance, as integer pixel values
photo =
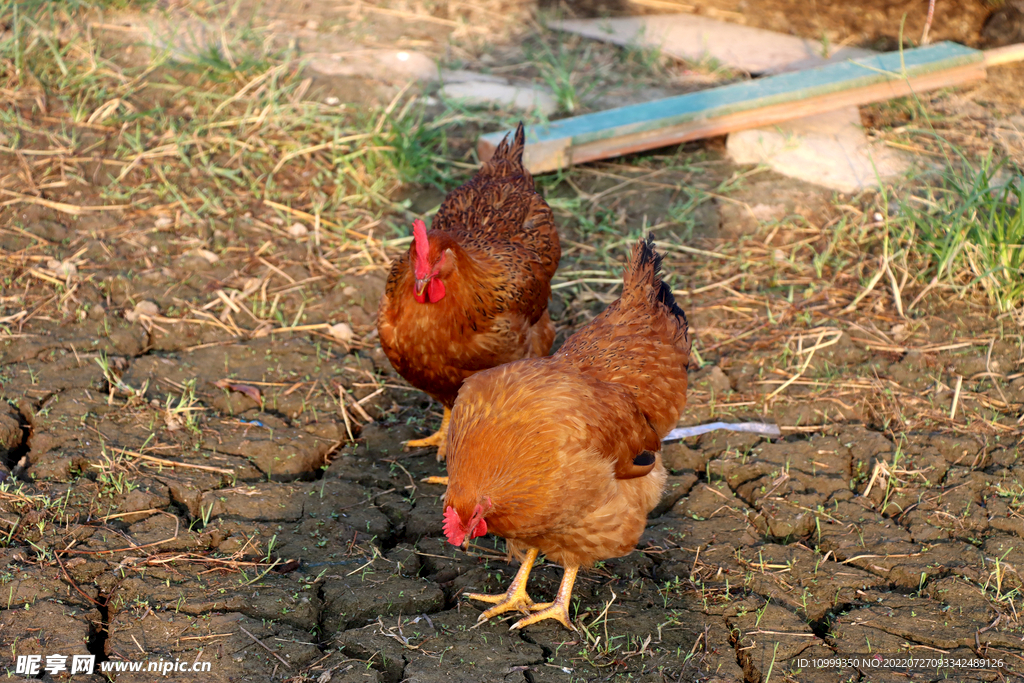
(472, 293)
(561, 455)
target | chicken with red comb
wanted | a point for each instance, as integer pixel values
(458, 532)
(428, 287)
(561, 455)
(472, 291)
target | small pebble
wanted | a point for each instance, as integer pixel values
(205, 254)
(143, 308)
(64, 269)
(342, 332)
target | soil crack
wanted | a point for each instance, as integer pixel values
(16, 430)
(823, 626)
(99, 632)
(322, 642)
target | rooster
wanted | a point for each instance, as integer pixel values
(561, 455)
(472, 292)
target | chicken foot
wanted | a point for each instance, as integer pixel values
(557, 610)
(515, 598)
(438, 438)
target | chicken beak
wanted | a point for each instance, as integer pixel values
(421, 285)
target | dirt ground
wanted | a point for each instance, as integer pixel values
(201, 440)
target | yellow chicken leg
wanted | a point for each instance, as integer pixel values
(438, 438)
(515, 598)
(557, 610)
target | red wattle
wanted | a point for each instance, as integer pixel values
(435, 290)
(480, 530)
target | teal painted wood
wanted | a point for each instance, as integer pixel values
(738, 97)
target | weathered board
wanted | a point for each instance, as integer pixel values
(739, 106)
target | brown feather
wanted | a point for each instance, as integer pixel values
(506, 248)
(550, 445)
(640, 341)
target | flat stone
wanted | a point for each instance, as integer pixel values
(479, 93)
(694, 38)
(466, 76)
(829, 149)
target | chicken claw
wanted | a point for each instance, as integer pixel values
(438, 438)
(515, 598)
(557, 610)
(443, 481)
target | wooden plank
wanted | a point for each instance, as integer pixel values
(1009, 54)
(739, 106)
(694, 38)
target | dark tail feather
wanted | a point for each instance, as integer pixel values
(512, 150)
(642, 279)
(508, 156)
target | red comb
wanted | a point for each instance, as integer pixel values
(454, 529)
(419, 235)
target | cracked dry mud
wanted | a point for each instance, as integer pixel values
(277, 529)
(153, 514)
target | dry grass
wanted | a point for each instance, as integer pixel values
(235, 138)
(254, 213)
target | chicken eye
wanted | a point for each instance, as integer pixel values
(644, 459)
